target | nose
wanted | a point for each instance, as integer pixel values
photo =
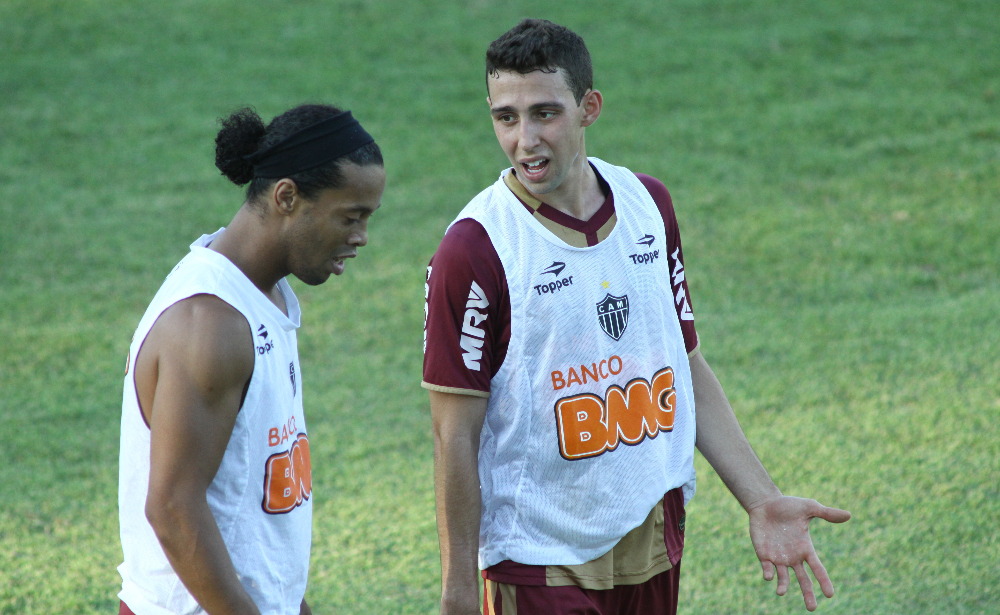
(359, 237)
(527, 135)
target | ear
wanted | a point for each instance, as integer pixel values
(489, 103)
(285, 196)
(592, 102)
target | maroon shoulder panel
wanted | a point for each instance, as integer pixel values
(466, 297)
(466, 336)
(678, 282)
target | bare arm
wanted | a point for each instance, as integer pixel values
(722, 442)
(779, 525)
(458, 420)
(190, 377)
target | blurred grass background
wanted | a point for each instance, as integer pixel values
(836, 173)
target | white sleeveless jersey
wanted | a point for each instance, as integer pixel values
(590, 418)
(261, 495)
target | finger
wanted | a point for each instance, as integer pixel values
(768, 570)
(782, 580)
(833, 515)
(806, 585)
(819, 571)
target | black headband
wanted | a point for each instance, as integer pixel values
(310, 147)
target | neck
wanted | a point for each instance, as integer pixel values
(579, 194)
(248, 243)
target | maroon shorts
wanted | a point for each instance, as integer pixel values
(123, 609)
(513, 588)
(657, 596)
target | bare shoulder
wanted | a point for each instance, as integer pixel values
(212, 337)
(190, 376)
(199, 343)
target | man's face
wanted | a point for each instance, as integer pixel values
(540, 126)
(331, 227)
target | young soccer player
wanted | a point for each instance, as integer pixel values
(215, 479)
(564, 372)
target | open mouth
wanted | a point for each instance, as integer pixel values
(337, 263)
(535, 169)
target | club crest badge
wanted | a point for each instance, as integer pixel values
(612, 313)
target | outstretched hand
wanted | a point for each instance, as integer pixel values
(779, 530)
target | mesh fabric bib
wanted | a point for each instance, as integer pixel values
(591, 416)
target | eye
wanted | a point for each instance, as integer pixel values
(359, 218)
(505, 118)
(546, 115)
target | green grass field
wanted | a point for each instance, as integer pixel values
(836, 172)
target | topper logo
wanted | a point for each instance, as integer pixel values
(288, 478)
(552, 287)
(472, 334)
(555, 268)
(645, 259)
(589, 426)
(266, 345)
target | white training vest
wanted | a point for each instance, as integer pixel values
(261, 495)
(591, 416)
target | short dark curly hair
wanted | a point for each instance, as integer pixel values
(538, 44)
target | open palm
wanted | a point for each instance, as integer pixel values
(779, 530)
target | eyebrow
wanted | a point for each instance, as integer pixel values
(361, 209)
(535, 107)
